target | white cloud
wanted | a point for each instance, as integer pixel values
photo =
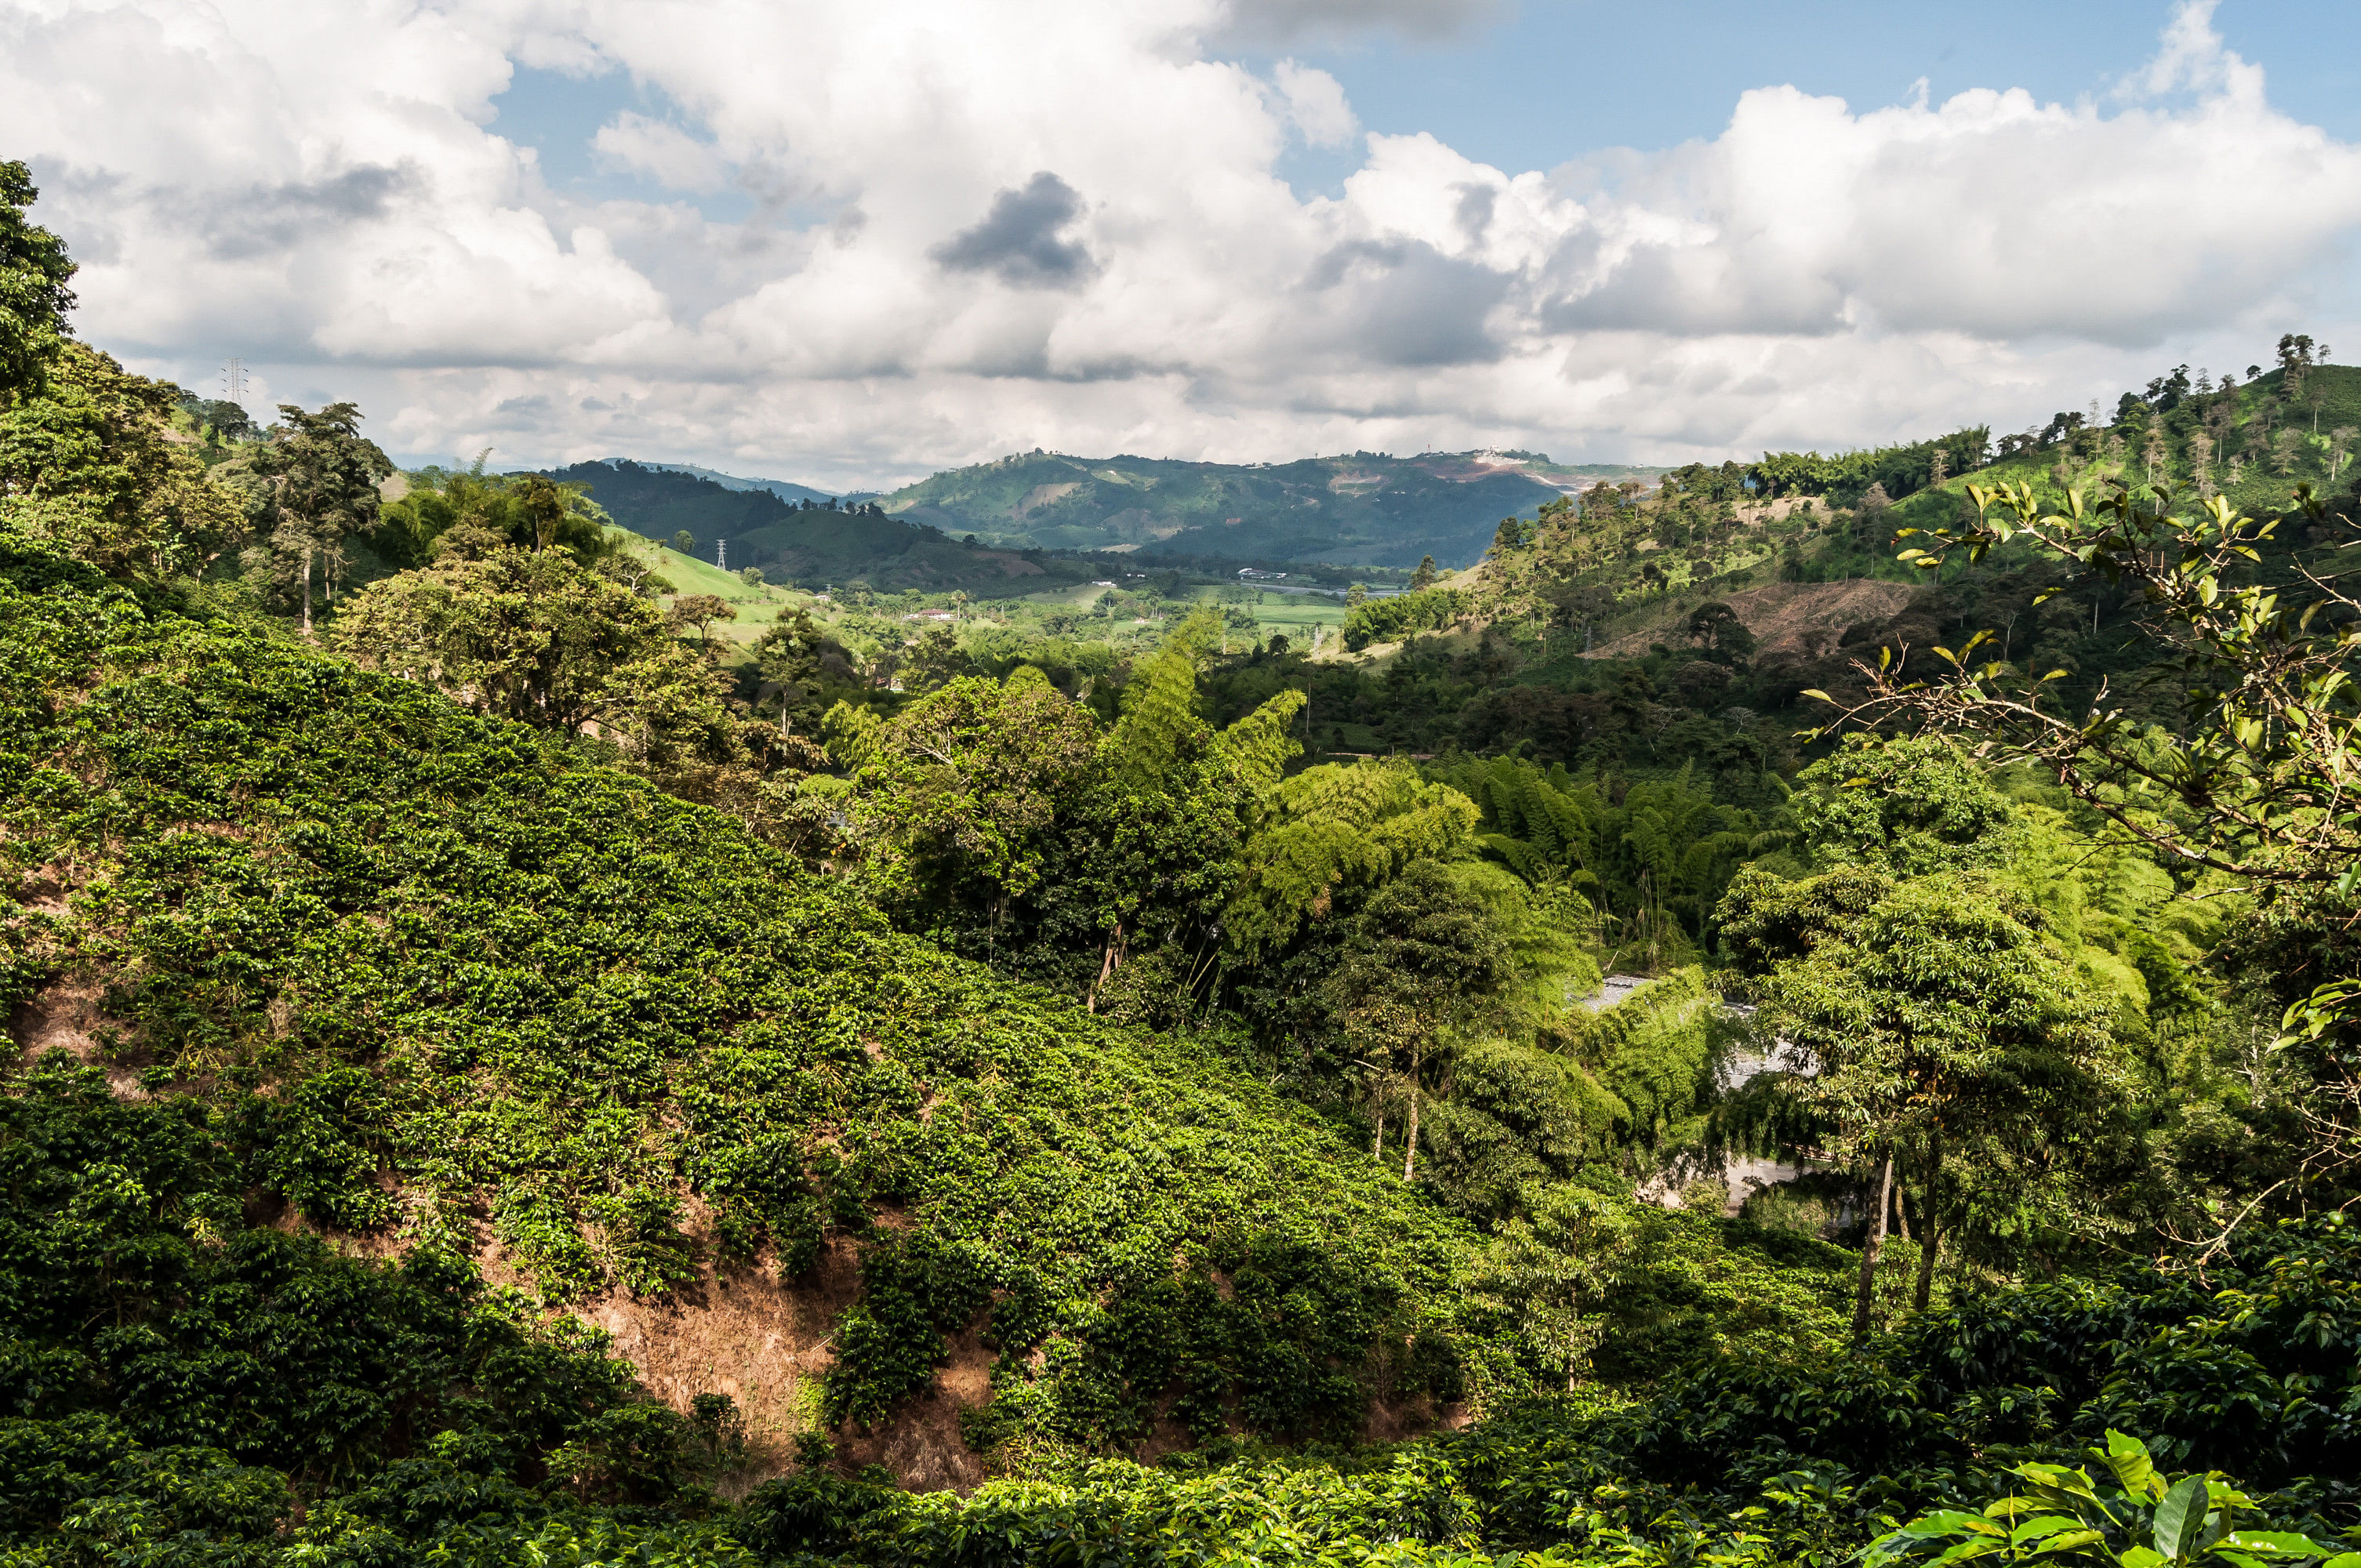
(1315, 103)
(987, 225)
(664, 153)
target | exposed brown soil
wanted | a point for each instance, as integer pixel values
(922, 1443)
(1803, 619)
(65, 1015)
(737, 1330)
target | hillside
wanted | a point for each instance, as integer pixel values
(436, 982)
(785, 489)
(1366, 509)
(802, 542)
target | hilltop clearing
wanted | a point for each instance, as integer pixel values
(1788, 621)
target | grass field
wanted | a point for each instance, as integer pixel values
(758, 608)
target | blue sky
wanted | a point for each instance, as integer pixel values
(852, 244)
(1552, 80)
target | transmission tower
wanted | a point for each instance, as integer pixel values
(721, 553)
(232, 381)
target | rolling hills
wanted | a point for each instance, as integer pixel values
(800, 543)
(1359, 509)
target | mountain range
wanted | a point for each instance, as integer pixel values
(1358, 509)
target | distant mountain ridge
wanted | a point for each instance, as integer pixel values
(1355, 509)
(804, 540)
(785, 489)
(1360, 508)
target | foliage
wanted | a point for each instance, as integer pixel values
(1396, 617)
(1005, 819)
(2137, 1518)
(2261, 764)
(576, 1000)
(1897, 471)
(88, 467)
(34, 298)
(319, 487)
(542, 640)
(525, 512)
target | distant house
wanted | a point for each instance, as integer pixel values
(1248, 573)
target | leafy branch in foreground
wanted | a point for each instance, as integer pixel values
(2135, 1518)
(2263, 778)
(2260, 776)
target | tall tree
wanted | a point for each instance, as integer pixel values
(1932, 1026)
(535, 637)
(34, 298)
(1426, 961)
(324, 477)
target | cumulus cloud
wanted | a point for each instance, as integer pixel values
(663, 152)
(1315, 103)
(987, 225)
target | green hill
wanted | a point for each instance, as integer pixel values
(801, 541)
(426, 982)
(1363, 508)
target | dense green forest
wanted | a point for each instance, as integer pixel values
(1806, 1013)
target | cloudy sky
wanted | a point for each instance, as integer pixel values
(854, 243)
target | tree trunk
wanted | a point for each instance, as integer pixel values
(1930, 1241)
(1377, 1149)
(1930, 1228)
(1872, 1245)
(1410, 1134)
(1106, 966)
(307, 590)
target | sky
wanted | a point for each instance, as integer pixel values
(851, 244)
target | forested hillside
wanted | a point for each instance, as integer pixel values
(1665, 1046)
(1365, 507)
(810, 540)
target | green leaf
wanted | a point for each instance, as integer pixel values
(1950, 1521)
(2181, 1515)
(2278, 1543)
(2141, 1557)
(2126, 1456)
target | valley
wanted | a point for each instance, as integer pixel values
(1769, 1013)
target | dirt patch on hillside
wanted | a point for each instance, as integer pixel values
(1041, 496)
(65, 1015)
(922, 1444)
(737, 1330)
(1803, 619)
